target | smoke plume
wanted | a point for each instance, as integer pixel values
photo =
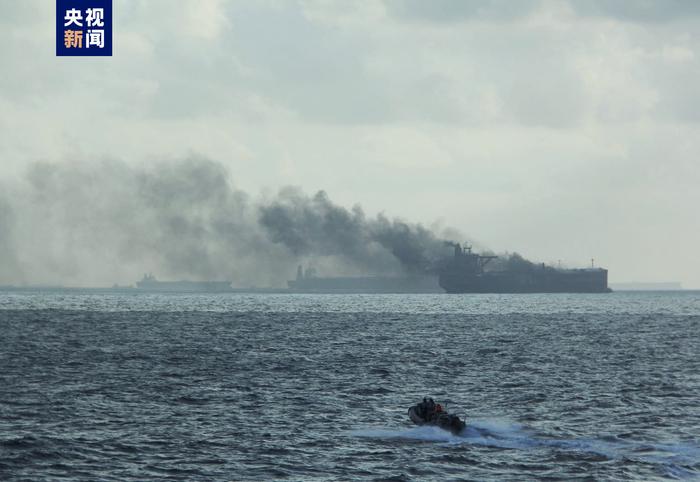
(100, 222)
(316, 226)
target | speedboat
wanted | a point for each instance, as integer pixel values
(428, 412)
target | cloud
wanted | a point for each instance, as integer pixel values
(450, 11)
(639, 11)
(459, 10)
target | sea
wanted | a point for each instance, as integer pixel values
(132, 386)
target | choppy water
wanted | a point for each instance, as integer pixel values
(126, 386)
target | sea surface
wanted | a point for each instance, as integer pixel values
(132, 386)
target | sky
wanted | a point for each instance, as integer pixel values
(563, 130)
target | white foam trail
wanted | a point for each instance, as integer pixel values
(505, 434)
(492, 432)
(425, 433)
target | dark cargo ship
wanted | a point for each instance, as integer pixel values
(466, 273)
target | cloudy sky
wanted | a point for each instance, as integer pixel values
(564, 130)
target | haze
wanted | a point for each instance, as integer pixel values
(563, 130)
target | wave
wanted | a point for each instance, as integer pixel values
(681, 460)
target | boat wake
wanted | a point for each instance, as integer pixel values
(489, 433)
(680, 460)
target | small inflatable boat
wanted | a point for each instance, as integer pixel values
(430, 413)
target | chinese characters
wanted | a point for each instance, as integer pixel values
(94, 18)
(83, 27)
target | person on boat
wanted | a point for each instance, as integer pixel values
(427, 409)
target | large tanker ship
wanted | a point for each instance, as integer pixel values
(466, 273)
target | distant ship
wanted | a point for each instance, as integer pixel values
(150, 283)
(465, 273)
(310, 283)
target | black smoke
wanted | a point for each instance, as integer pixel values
(313, 225)
(106, 221)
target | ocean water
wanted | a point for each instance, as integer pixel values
(133, 386)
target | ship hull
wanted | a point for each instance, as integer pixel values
(552, 281)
